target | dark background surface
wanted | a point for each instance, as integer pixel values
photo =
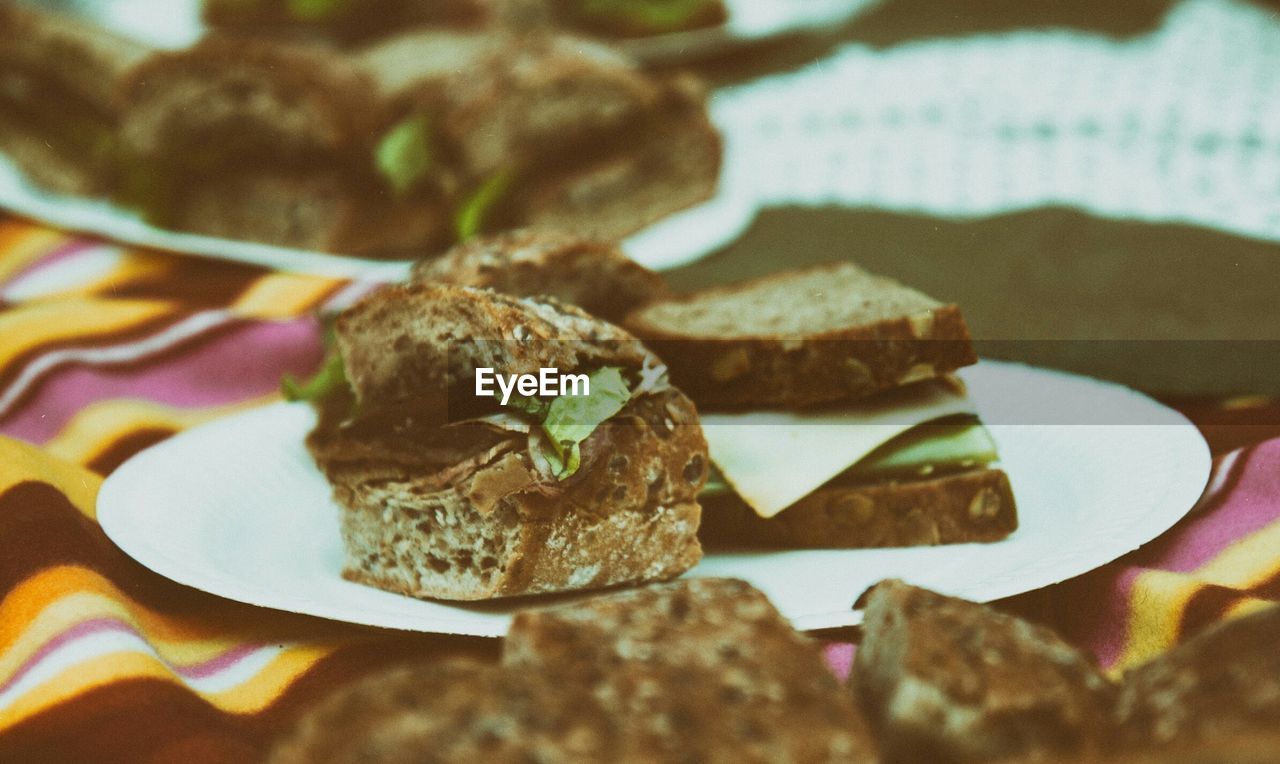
(1198, 299)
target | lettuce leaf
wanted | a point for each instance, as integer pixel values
(331, 379)
(317, 11)
(403, 156)
(470, 217)
(568, 420)
(653, 15)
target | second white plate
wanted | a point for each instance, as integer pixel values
(238, 509)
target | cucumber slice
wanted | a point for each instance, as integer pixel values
(931, 448)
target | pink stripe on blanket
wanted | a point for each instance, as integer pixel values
(238, 361)
(1251, 504)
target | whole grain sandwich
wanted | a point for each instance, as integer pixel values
(450, 492)
(831, 411)
(400, 148)
(544, 130)
(59, 99)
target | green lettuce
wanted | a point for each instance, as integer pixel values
(403, 156)
(652, 15)
(568, 420)
(318, 11)
(470, 217)
(331, 379)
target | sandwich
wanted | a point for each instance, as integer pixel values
(549, 131)
(59, 102)
(456, 485)
(268, 141)
(590, 273)
(408, 145)
(831, 410)
(695, 670)
(943, 679)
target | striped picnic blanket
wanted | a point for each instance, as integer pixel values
(105, 350)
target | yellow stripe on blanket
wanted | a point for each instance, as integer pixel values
(22, 243)
(59, 598)
(20, 462)
(97, 427)
(102, 636)
(1156, 602)
(1246, 562)
(284, 295)
(1159, 598)
(255, 692)
(31, 326)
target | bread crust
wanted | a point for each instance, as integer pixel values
(1221, 684)
(589, 273)
(944, 679)
(696, 670)
(805, 368)
(492, 528)
(975, 505)
(407, 341)
(451, 710)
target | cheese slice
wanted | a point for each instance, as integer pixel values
(772, 459)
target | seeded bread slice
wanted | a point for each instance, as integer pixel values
(974, 505)
(589, 273)
(696, 670)
(410, 341)
(485, 524)
(1220, 684)
(944, 679)
(822, 334)
(457, 710)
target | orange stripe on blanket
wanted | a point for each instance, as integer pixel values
(1156, 602)
(20, 462)
(27, 328)
(284, 295)
(89, 595)
(22, 243)
(99, 426)
(253, 694)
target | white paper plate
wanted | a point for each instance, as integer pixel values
(238, 509)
